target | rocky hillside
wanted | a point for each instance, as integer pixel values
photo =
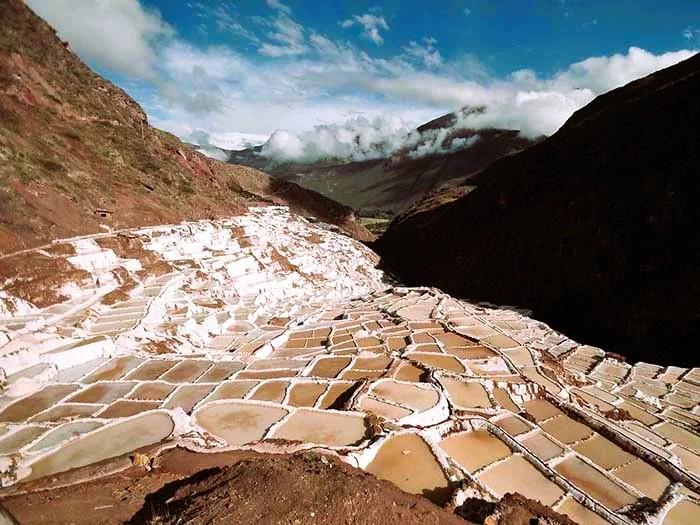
(595, 228)
(77, 152)
(388, 186)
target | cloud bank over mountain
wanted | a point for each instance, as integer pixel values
(362, 139)
(522, 102)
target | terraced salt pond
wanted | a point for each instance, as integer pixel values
(251, 336)
(103, 443)
(466, 394)
(239, 423)
(594, 482)
(330, 429)
(408, 461)
(475, 449)
(516, 474)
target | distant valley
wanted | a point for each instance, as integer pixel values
(383, 187)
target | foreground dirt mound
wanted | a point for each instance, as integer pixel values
(298, 488)
(181, 486)
(595, 228)
(310, 488)
(514, 509)
(77, 152)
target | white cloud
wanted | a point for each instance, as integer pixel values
(212, 145)
(315, 100)
(424, 52)
(276, 4)
(523, 101)
(437, 142)
(222, 17)
(237, 141)
(691, 33)
(226, 22)
(259, 97)
(287, 37)
(601, 74)
(118, 35)
(360, 138)
(372, 26)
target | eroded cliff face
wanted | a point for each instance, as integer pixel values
(267, 333)
(593, 229)
(76, 152)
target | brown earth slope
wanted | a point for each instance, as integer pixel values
(389, 186)
(77, 152)
(595, 229)
(245, 487)
(299, 488)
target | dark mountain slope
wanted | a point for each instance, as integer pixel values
(595, 229)
(77, 152)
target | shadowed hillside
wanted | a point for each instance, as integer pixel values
(595, 228)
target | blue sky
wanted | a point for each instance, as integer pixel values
(505, 35)
(325, 71)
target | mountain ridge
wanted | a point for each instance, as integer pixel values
(387, 186)
(78, 152)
